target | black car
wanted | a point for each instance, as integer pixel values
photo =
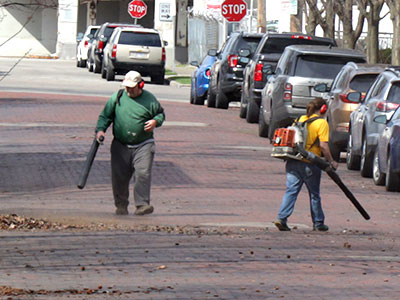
(227, 71)
(100, 39)
(266, 56)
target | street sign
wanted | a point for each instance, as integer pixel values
(165, 12)
(137, 9)
(234, 10)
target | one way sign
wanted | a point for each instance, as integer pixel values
(165, 12)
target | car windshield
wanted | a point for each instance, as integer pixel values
(277, 45)
(362, 83)
(208, 60)
(394, 93)
(139, 38)
(108, 31)
(248, 43)
(318, 66)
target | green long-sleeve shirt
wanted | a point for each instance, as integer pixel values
(128, 117)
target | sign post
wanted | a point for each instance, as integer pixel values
(234, 10)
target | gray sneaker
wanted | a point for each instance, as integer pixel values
(144, 210)
(281, 225)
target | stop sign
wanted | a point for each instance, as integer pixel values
(137, 9)
(234, 10)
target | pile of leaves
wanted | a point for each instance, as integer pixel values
(15, 222)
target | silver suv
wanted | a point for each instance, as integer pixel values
(139, 49)
(290, 88)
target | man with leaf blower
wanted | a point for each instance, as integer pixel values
(135, 113)
(299, 172)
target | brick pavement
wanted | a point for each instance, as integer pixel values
(212, 170)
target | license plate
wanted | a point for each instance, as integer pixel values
(138, 55)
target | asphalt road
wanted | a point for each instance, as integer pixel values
(216, 191)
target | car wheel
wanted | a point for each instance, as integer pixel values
(253, 110)
(192, 91)
(366, 160)
(210, 98)
(243, 107)
(158, 78)
(78, 63)
(221, 101)
(197, 100)
(96, 66)
(392, 179)
(377, 175)
(103, 71)
(89, 66)
(262, 126)
(352, 160)
(335, 151)
(110, 74)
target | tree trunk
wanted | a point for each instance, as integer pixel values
(394, 7)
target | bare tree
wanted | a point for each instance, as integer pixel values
(30, 4)
(344, 10)
(371, 10)
(324, 16)
(394, 7)
(310, 21)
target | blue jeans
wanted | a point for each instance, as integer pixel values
(297, 173)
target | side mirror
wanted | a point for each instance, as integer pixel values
(381, 119)
(165, 43)
(244, 52)
(79, 37)
(355, 97)
(321, 88)
(244, 60)
(195, 63)
(212, 52)
(90, 36)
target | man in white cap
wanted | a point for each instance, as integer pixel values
(134, 113)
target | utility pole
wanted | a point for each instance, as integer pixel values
(261, 18)
(296, 20)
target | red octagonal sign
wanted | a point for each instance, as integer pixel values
(137, 9)
(234, 10)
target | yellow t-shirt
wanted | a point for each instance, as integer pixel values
(319, 128)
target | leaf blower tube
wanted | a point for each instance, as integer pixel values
(325, 166)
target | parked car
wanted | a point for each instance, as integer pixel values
(200, 80)
(139, 49)
(290, 88)
(352, 77)
(100, 39)
(264, 61)
(381, 99)
(83, 46)
(227, 71)
(386, 163)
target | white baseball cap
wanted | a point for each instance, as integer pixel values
(132, 78)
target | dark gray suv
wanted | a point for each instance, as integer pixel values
(227, 71)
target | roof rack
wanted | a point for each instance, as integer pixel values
(394, 69)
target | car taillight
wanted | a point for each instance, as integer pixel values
(302, 37)
(386, 106)
(101, 46)
(114, 51)
(207, 73)
(258, 72)
(287, 92)
(232, 59)
(343, 98)
(163, 56)
(86, 43)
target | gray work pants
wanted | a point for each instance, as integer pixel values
(126, 162)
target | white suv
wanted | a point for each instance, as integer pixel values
(83, 46)
(139, 49)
